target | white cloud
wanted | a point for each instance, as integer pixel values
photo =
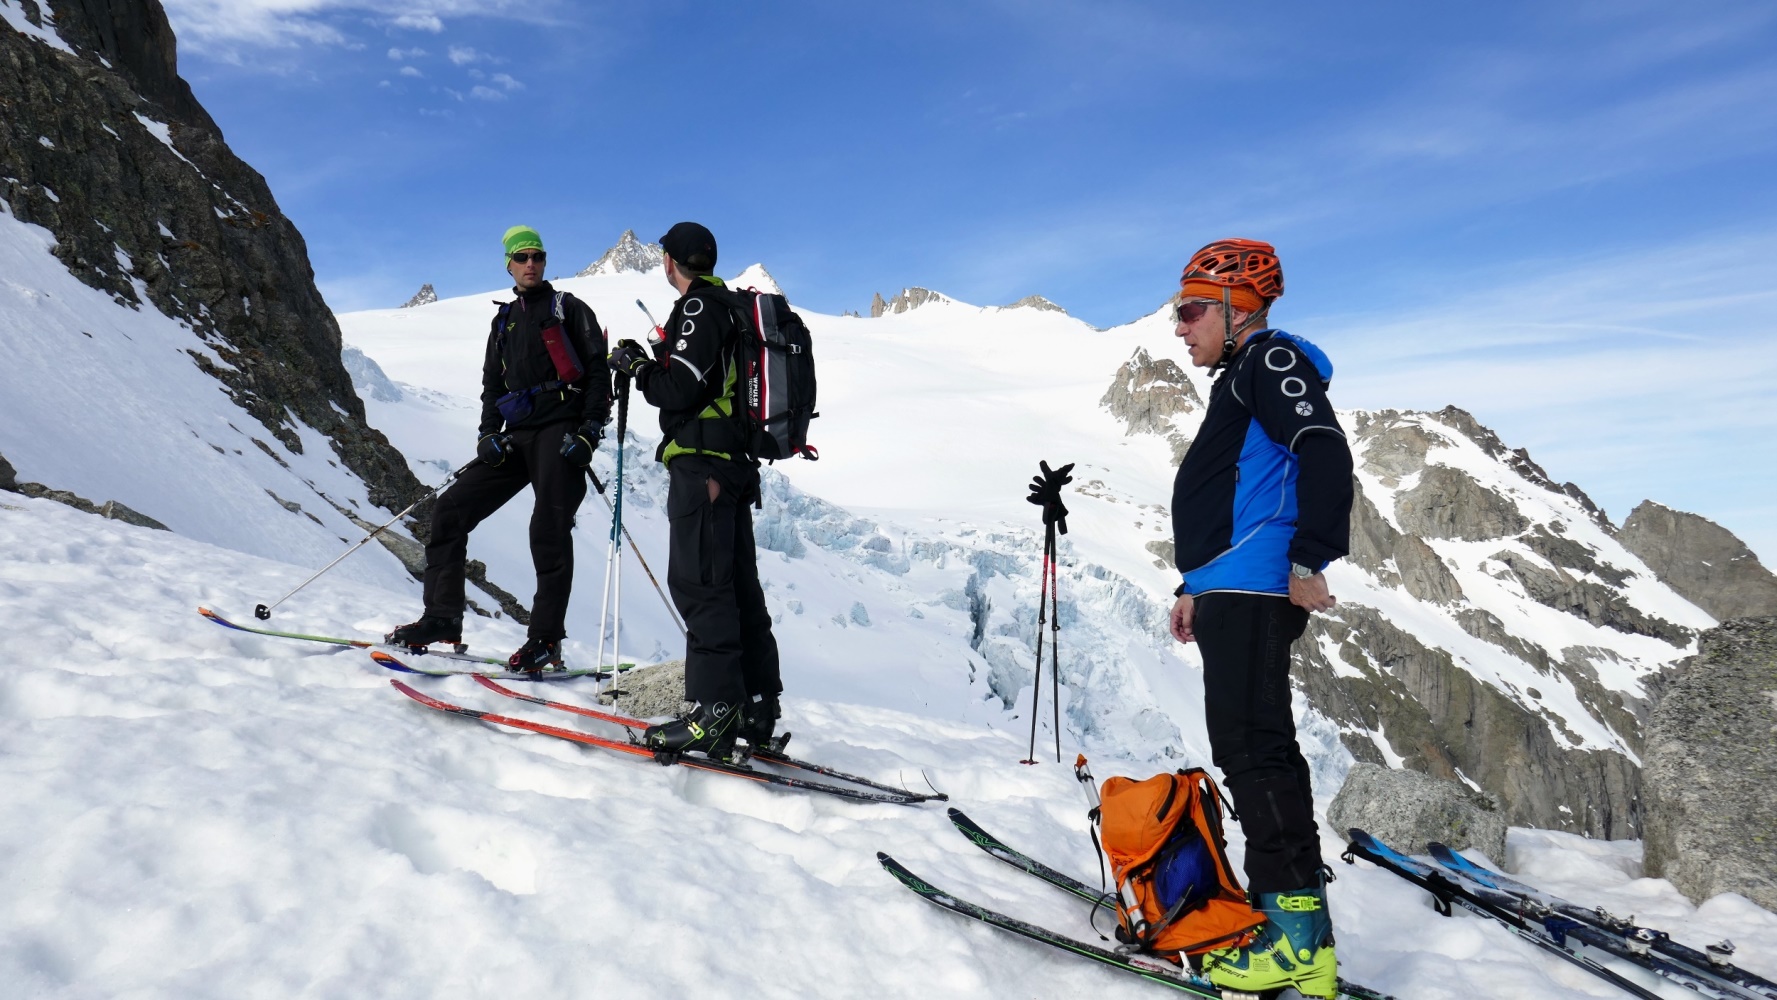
(506, 80)
(463, 55)
(487, 94)
(419, 22)
(410, 71)
(404, 55)
(222, 28)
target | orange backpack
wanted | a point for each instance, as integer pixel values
(1160, 835)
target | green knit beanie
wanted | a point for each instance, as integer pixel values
(522, 238)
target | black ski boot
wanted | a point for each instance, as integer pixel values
(428, 630)
(709, 730)
(758, 722)
(537, 655)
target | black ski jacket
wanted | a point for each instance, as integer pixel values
(694, 386)
(518, 360)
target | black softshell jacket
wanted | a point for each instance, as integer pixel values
(518, 360)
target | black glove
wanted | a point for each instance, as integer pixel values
(1045, 492)
(577, 445)
(629, 358)
(493, 448)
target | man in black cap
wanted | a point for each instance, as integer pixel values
(545, 397)
(731, 667)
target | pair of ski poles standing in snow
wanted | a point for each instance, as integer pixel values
(1045, 492)
(611, 606)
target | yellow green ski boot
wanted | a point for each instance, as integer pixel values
(1293, 948)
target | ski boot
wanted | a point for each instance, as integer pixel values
(758, 723)
(537, 655)
(1293, 948)
(708, 729)
(428, 630)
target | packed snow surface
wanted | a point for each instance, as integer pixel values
(197, 812)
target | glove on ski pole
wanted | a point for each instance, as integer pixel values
(1045, 492)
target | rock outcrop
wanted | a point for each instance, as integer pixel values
(627, 254)
(909, 298)
(1711, 765)
(108, 150)
(878, 305)
(1036, 302)
(1148, 393)
(651, 692)
(1701, 560)
(424, 297)
(1407, 810)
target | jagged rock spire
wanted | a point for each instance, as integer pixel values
(629, 254)
(425, 296)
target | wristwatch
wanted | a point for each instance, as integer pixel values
(1301, 572)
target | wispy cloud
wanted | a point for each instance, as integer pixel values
(404, 55)
(464, 55)
(224, 28)
(505, 80)
(410, 71)
(487, 93)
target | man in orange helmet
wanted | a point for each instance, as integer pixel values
(1261, 504)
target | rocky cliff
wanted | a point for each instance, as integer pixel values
(627, 254)
(1701, 560)
(103, 145)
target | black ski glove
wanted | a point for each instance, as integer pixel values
(630, 358)
(1045, 492)
(577, 445)
(493, 448)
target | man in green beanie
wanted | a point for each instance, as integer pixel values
(545, 397)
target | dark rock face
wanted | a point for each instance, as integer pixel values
(1591, 601)
(1711, 765)
(424, 297)
(1440, 719)
(9, 477)
(1701, 560)
(1408, 810)
(1449, 503)
(205, 241)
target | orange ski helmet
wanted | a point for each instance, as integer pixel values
(1244, 273)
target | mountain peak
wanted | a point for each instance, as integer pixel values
(758, 277)
(424, 297)
(628, 254)
(910, 298)
(1036, 302)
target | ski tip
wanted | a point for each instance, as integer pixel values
(883, 858)
(955, 814)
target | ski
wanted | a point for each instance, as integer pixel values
(356, 643)
(1636, 938)
(1148, 967)
(635, 750)
(773, 754)
(1560, 936)
(1024, 863)
(386, 660)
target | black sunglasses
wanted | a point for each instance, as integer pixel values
(526, 258)
(1192, 310)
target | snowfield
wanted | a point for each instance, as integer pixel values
(196, 812)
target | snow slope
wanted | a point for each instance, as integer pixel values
(194, 812)
(106, 401)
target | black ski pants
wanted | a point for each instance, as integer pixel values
(712, 570)
(482, 489)
(1245, 640)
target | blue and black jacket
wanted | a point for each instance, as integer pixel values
(1267, 481)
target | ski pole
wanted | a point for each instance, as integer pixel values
(617, 533)
(1036, 686)
(263, 611)
(1054, 637)
(636, 550)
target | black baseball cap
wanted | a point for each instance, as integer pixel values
(691, 245)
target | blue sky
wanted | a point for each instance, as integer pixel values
(1560, 217)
